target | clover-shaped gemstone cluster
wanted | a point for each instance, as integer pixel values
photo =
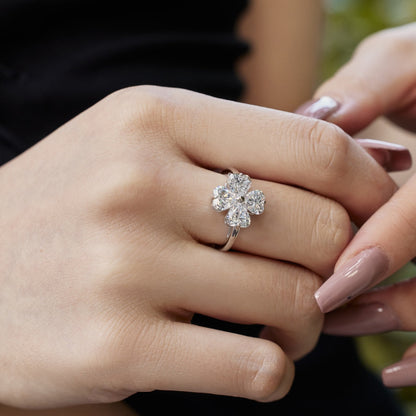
(235, 197)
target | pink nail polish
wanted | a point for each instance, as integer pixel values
(358, 274)
(392, 156)
(365, 319)
(320, 108)
(401, 374)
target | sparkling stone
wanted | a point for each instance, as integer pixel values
(238, 183)
(238, 216)
(223, 198)
(255, 202)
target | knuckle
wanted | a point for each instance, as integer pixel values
(128, 188)
(330, 147)
(143, 108)
(332, 231)
(369, 42)
(264, 372)
(399, 41)
(306, 315)
(305, 310)
(403, 222)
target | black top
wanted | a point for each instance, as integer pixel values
(60, 57)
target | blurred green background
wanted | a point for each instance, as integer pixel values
(347, 23)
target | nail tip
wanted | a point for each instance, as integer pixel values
(322, 304)
(320, 108)
(317, 299)
(400, 374)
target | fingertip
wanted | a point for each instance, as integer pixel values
(274, 377)
(400, 374)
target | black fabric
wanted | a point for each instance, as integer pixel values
(60, 57)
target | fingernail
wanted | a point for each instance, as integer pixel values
(401, 374)
(320, 108)
(351, 279)
(393, 157)
(365, 319)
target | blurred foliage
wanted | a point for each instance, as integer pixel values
(347, 23)
(350, 21)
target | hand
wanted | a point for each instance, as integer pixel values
(379, 80)
(106, 249)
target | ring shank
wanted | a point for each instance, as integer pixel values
(231, 236)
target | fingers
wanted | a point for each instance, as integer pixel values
(383, 245)
(390, 308)
(391, 156)
(380, 79)
(401, 374)
(295, 225)
(210, 361)
(251, 290)
(271, 145)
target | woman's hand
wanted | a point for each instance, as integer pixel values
(107, 227)
(379, 80)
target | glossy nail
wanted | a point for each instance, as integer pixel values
(353, 278)
(393, 157)
(365, 319)
(401, 374)
(320, 108)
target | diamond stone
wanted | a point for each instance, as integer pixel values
(240, 203)
(238, 216)
(255, 202)
(238, 183)
(223, 198)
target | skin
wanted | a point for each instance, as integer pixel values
(364, 97)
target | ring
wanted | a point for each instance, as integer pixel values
(240, 203)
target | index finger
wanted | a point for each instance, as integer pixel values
(379, 79)
(384, 244)
(274, 145)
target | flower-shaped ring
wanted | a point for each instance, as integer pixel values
(235, 197)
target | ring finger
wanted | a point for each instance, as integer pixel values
(296, 226)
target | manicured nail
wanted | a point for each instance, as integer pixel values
(393, 157)
(353, 278)
(320, 108)
(365, 319)
(401, 374)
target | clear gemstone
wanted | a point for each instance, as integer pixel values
(238, 183)
(238, 216)
(255, 202)
(223, 198)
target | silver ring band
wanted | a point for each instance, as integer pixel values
(231, 236)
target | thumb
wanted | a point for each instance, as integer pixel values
(378, 80)
(384, 244)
